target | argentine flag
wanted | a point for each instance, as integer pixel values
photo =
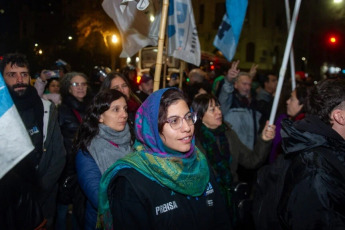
(229, 31)
(15, 142)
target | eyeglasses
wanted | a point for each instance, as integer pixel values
(76, 84)
(176, 121)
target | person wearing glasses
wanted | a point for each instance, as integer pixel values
(221, 145)
(75, 99)
(166, 182)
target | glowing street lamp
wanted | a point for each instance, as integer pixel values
(114, 39)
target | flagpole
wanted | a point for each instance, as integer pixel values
(285, 60)
(161, 35)
(292, 56)
(182, 67)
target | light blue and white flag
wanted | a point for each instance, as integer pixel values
(229, 31)
(15, 142)
(183, 37)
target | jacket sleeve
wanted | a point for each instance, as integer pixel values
(126, 208)
(226, 96)
(314, 202)
(252, 159)
(40, 85)
(89, 176)
(55, 154)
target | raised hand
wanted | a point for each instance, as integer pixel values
(233, 71)
(253, 70)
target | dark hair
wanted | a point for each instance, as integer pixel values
(112, 75)
(168, 98)
(325, 97)
(200, 105)
(17, 59)
(89, 127)
(301, 94)
(49, 81)
(65, 83)
(263, 78)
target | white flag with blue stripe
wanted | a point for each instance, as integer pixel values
(15, 142)
(182, 33)
(229, 31)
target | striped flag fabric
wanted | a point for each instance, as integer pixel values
(229, 30)
(183, 37)
(15, 142)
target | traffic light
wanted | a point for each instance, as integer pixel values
(332, 40)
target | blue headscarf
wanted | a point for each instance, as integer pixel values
(185, 173)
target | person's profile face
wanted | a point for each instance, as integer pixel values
(147, 87)
(16, 78)
(178, 139)
(293, 106)
(116, 116)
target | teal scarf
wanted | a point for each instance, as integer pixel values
(185, 173)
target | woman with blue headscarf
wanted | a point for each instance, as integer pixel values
(166, 182)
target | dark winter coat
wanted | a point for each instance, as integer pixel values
(241, 155)
(313, 194)
(148, 205)
(71, 112)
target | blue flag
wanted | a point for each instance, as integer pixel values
(229, 31)
(15, 142)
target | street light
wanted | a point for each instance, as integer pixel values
(337, 1)
(114, 40)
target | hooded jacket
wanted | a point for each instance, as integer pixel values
(313, 194)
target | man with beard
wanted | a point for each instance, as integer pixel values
(42, 167)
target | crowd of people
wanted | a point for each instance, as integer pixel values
(119, 156)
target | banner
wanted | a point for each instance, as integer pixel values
(183, 40)
(229, 31)
(15, 142)
(135, 27)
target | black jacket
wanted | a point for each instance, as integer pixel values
(313, 196)
(136, 202)
(71, 112)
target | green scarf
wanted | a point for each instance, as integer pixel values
(216, 145)
(188, 176)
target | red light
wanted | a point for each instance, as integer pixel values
(138, 79)
(212, 67)
(333, 40)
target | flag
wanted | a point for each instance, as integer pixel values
(137, 31)
(183, 40)
(15, 142)
(229, 30)
(134, 25)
